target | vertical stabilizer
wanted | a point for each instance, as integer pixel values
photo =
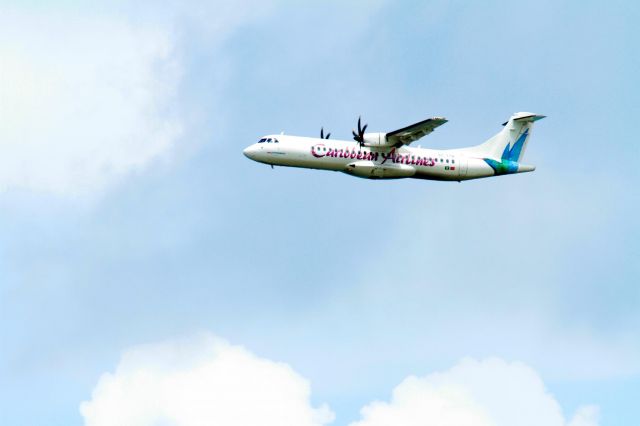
(509, 144)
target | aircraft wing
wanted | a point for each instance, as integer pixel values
(411, 133)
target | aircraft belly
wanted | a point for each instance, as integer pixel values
(475, 169)
(478, 168)
(437, 173)
(373, 170)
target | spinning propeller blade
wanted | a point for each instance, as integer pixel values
(359, 137)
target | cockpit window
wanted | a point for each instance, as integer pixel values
(268, 140)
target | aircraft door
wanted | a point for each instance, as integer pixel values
(463, 163)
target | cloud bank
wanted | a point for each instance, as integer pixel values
(205, 381)
(201, 381)
(474, 393)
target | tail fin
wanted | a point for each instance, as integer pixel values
(510, 143)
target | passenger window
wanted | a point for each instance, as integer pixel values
(447, 160)
(453, 161)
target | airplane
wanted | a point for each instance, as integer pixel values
(389, 156)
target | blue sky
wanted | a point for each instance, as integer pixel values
(129, 215)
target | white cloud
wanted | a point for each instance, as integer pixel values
(83, 99)
(586, 416)
(474, 393)
(205, 380)
(202, 381)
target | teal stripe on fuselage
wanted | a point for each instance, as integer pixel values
(503, 167)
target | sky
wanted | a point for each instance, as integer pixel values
(150, 274)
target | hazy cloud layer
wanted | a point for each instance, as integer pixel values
(93, 96)
(83, 100)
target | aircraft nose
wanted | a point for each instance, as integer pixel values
(249, 152)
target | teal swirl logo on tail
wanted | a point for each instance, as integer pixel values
(510, 156)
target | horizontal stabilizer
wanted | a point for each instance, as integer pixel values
(526, 117)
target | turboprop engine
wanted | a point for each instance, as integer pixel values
(369, 139)
(375, 140)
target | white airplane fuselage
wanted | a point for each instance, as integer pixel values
(367, 162)
(495, 157)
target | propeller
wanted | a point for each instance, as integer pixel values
(359, 137)
(322, 136)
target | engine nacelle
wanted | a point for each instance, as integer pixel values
(376, 139)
